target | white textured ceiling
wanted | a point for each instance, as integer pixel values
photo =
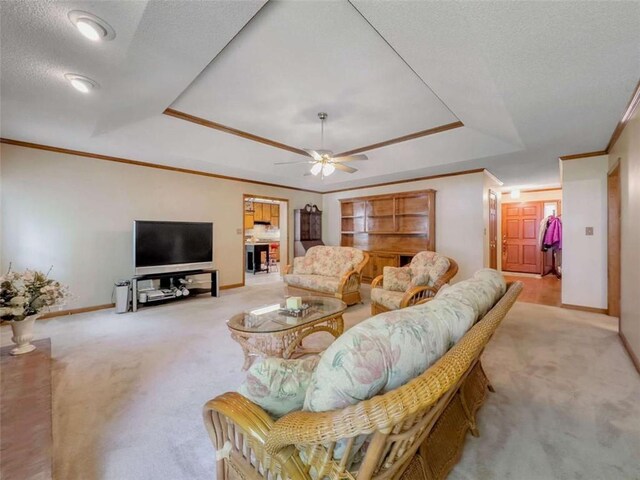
(530, 80)
(280, 71)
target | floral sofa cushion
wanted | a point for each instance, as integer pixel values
(329, 261)
(313, 282)
(303, 265)
(396, 279)
(279, 385)
(432, 263)
(387, 298)
(480, 292)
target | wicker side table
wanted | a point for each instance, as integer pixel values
(266, 332)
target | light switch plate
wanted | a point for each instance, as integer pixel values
(239, 231)
(588, 230)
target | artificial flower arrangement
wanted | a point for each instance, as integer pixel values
(23, 294)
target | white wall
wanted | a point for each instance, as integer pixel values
(76, 214)
(459, 216)
(627, 151)
(584, 258)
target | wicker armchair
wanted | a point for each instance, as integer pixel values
(416, 431)
(414, 295)
(346, 287)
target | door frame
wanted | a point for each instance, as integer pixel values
(282, 201)
(614, 243)
(493, 228)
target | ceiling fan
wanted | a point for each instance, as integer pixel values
(322, 161)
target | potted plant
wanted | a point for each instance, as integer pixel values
(23, 297)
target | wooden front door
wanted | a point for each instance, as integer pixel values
(613, 237)
(520, 226)
(493, 229)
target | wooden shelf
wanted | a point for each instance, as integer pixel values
(392, 227)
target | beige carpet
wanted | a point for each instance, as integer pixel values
(128, 391)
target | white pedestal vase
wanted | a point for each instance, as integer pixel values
(23, 334)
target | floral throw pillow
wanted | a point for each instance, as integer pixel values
(396, 279)
(278, 385)
(419, 277)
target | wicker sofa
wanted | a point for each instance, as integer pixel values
(328, 271)
(415, 431)
(394, 288)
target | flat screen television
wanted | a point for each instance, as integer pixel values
(162, 247)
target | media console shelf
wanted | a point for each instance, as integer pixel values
(168, 280)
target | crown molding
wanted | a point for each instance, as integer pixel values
(404, 138)
(417, 179)
(577, 156)
(233, 131)
(628, 113)
(138, 163)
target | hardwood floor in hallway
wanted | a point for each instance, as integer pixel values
(543, 291)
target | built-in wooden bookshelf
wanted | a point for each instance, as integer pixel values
(392, 228)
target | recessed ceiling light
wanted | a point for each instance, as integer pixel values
(80, 82)
(92, 27)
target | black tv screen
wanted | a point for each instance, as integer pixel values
(172, 243)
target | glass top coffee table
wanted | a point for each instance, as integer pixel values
(268, 332)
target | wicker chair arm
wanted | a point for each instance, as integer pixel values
(351, 277)
(254, 424)
(382, 412)
(362, 264)
(377, 281)
(242, 412)
(415, 294)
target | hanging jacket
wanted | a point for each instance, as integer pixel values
(553, 236)
(542, 231)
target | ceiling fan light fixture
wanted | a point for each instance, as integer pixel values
(316, 168)
(328, 169)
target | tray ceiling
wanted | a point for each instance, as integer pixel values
(530, 81)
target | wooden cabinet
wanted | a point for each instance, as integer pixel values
(248, 220)
(275, 215)
(263, 213)
(392, 228)
(307, 223)
(258, 212)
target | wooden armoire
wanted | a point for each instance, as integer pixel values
(307, 223)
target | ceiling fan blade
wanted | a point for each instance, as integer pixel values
(299, 161)
(350, 158)
(344, 168)
(314, 154)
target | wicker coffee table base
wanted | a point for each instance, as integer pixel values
(287, 343)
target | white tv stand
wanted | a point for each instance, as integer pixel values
(166, 279)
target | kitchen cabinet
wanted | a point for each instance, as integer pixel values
(275, 215)
(248, 220)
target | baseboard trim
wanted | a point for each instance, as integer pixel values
(93, 308)
(73, 311)
(585, 309)
(634, 359)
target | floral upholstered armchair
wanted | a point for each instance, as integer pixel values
(405, 286)
(327, 271)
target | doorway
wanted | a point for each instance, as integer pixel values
(613, 239)
(522, 255)
(265, 238)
